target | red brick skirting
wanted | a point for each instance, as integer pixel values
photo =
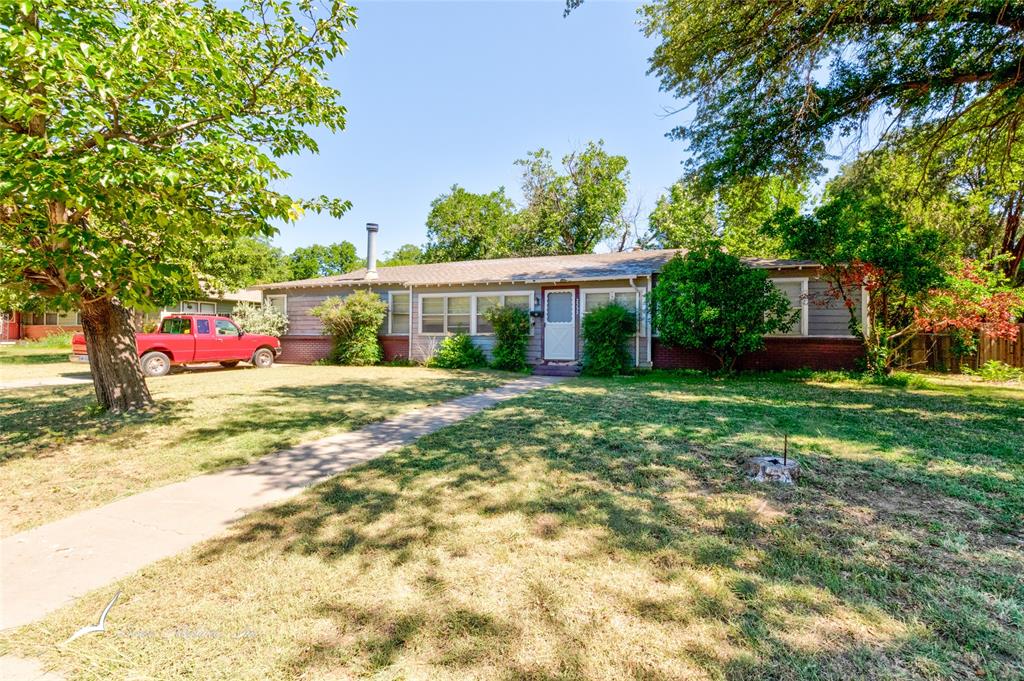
(37, 331)
(820, 354)
(309, 349)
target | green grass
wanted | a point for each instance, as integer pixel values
(603, 529)
(59, 454)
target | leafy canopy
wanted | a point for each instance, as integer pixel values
(711, 301)
(606, 332)
(772, 83)
(135, 134)
(260, 318)
(462, 225)
(318, 260)
(353, 323)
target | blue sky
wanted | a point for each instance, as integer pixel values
(453, 92)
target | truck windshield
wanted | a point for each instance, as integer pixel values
(176, 325)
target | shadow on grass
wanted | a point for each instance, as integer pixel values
(56, 357)
(650, 471)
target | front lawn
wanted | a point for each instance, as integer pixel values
(33, 361)
(58, 454)
(603, 529)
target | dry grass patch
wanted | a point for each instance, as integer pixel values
(604, 530)
(59, 455)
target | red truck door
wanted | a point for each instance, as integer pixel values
(229, 339)
(208, 347)
(177, 334)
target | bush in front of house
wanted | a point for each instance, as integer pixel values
(262, 319)
(711, 301)
(353, 323)
(458, 352)
(606, 334)
(511, 336)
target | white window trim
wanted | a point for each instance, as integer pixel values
(804, 308)
(283, 296)
(615, 292)
(472, 295)
(391, 309)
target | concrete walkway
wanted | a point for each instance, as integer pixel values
(48, 567)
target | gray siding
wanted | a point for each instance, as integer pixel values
(827, 316)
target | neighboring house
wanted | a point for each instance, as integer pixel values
(428, 302)
(19, 325)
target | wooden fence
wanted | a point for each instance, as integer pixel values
(932, 351)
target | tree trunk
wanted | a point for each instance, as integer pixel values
(113, 357)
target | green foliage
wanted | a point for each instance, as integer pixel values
(458, 352)
(996, 372)
(574, 211)
(353, 323)
(245, 261)
(309, 262)
(511, 336)
(54, 340)
(709, 300)
(690, 216)
(406, 254)
(462, 225)
(606, 333)
(863, 243)
(261, 319)
(142, 145)
(772, 84)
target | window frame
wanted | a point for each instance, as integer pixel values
(270, 296)
(473, 313)
(805, 315)
(391, 310)
(612, 294)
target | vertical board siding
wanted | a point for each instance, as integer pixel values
(934, 351)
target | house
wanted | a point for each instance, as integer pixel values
(428, 302)
(23, 325)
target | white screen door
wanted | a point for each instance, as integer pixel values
(560, 324)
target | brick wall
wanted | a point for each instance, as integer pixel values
(820, 354)
(37, 331)
(308, 349)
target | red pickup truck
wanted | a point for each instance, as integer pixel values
(191, 339)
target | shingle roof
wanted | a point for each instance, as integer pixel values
(553, 268)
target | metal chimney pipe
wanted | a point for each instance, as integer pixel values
(371, 250)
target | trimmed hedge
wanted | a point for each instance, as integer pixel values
(458, 352)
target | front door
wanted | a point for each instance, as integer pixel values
(560, 324)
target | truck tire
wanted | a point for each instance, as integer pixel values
(229, 365)
(155, 364)
(263, 358)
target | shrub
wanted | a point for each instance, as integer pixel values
(262, 319)
(511, 335)
(711, 301)
(458, 352)
(54, 340)
(996, 371)
(606, 334)
(353, 323)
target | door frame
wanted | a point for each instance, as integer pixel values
(575, 291)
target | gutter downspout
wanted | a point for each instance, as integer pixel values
(636, 329)
(410, 323)
(647, 319)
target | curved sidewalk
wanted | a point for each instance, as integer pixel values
(48, 567)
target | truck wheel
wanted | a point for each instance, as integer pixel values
(263, 358)
(155, 364)
(228, 365)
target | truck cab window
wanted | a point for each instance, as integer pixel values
(226, 328)
(176, 325)
(203, 326)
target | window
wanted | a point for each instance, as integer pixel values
(398, 313)
(464, 312)
(225, 328)
(796, 291)
(278, 302)
(203, 326)
(176, 325)
(190, 307)
(50, 318)
(208, 308)
(67, 319)
(559, 307)
(624, 297)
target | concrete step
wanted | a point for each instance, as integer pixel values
(556, 370)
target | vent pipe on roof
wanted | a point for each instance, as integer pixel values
(371, 250)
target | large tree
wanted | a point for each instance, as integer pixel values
(772, 83)
(463, 225)
(575, 210)
(245, 261)
(318, 260)
(132, 133)
(690, 215)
